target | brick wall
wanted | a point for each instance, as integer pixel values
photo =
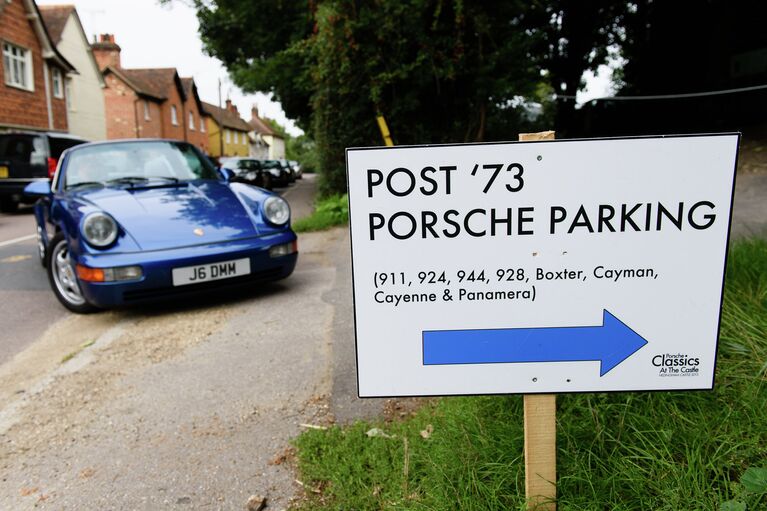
(124, 107)
(195, 136)
(21, 108)
(170, 130)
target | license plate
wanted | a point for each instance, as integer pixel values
(207, 272)
(3, 172)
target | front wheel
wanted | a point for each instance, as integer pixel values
(41, 250)
(63, 278)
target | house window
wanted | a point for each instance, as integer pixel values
(174, 115)
(236, 137)
(146, 111)
(202, 124)
(58, 85)
(228, 135)
(17, 65)
(70, 99)
(191, 121)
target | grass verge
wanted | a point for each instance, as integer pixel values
(622, 451)
(328, 212)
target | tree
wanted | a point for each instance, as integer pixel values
(439, 71)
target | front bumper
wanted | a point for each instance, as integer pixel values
(156, 284)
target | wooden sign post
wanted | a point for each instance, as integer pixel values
(540, 429)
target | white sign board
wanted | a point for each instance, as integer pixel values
(556, 266)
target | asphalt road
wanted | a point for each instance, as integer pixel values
(185, 406)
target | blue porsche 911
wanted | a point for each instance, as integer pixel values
(131, 221)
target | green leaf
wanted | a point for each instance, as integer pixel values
(754, 480)
(732, 505)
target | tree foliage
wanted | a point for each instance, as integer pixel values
(438, 70)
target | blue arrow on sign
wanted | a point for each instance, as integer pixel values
(610, 344)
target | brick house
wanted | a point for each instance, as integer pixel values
(196, 123)
(227, 132)
(267, 142)
(33, 74)
(143, 103)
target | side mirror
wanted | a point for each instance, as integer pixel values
(38, 189)
(226, 174)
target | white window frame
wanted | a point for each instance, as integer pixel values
(57, 80)
(236, 137)
(202, 124)
(228, 135)
(17, 60)
(147, 116)
(174, 115)
(191, 121)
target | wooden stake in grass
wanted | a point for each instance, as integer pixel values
(540, 429)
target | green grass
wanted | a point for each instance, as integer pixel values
(328, 212)
(624, 451)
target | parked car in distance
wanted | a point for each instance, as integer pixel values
(248, 170)
(290, 169)
(281, 176)
(297, 169)
(28, 156)
(140, 220)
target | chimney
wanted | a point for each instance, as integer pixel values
(106, 51)
(254, 112)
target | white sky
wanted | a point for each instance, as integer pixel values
(152, 35)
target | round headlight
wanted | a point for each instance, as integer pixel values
(99, 229)
(276, 210)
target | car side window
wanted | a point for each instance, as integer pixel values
(22, 149)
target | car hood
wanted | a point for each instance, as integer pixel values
(164, 217)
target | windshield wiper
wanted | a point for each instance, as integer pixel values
(85, 183)
(128, 180)
(167, 178)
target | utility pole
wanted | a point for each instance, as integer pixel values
(220, 124)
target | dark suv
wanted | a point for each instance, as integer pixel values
(25, 157)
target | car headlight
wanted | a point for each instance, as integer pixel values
(276, 210)
(99, 229)
(251, 176)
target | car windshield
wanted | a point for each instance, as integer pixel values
(272, 164)
(136, 162)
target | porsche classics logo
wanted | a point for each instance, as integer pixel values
(198, 232)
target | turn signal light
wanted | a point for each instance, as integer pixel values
(284, 249)
(90, 274)
(109, 274)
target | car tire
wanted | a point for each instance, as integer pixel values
(62, 277)
(8, 205)
(42, 252)
(267, 181)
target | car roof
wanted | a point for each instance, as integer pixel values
(126, 141)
